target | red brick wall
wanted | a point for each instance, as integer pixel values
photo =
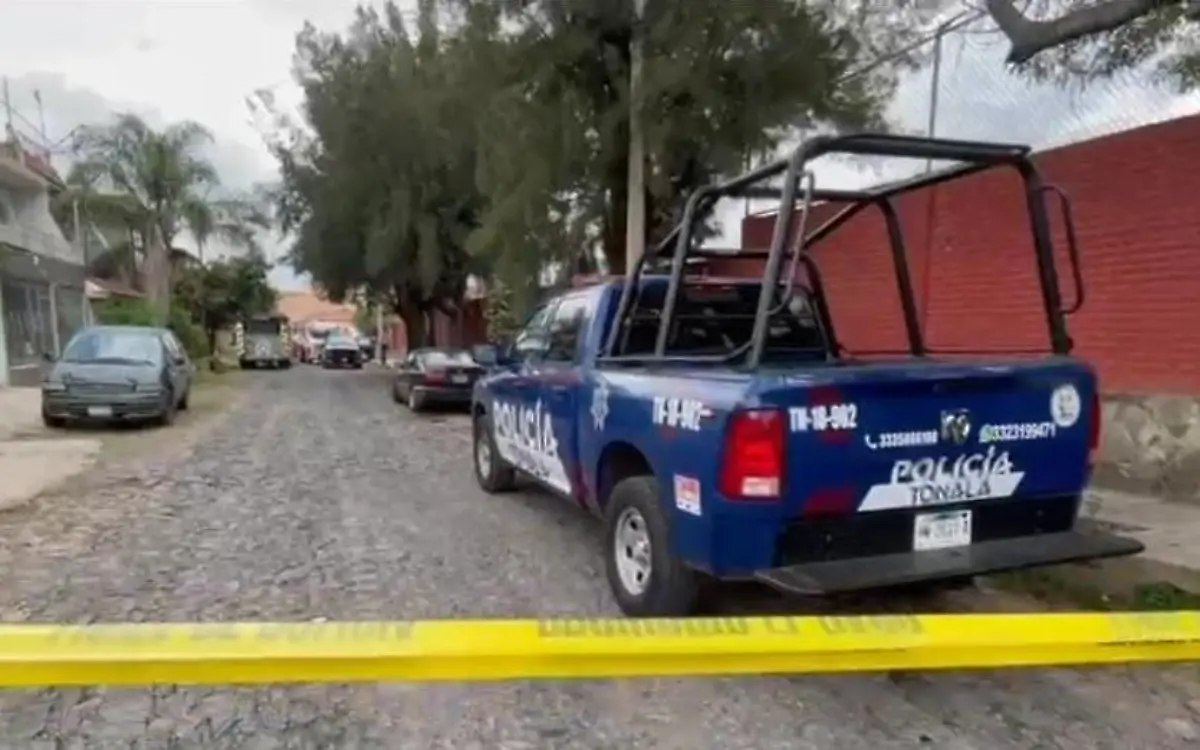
(1135, 197)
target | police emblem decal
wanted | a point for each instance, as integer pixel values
(956, 426)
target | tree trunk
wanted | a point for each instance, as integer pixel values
(211, 334)
(415, 328)
(615, 223)
(158, 274)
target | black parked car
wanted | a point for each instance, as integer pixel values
(341, 351)
(435, 376)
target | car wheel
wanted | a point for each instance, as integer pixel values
(396, 392)
(646, 578)
(52, 421)
(183, 402)
(493, 473)
(416, 401)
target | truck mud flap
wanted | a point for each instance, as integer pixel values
(883, 571)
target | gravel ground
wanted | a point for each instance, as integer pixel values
(320, 498)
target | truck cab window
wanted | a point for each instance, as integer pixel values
(532, 341)
(717, 319)
(565, 327)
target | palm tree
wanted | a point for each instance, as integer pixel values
(145, 187)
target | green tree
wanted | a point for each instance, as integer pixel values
(498, 143)
(144, 187)
(382, 197)
(723, 82)
(1081, 41)
(217, 295)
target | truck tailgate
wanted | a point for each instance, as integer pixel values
(883, 437)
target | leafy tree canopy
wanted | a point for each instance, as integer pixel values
(141, 188)
(493, 137)
(1084, 40)
(220, 293)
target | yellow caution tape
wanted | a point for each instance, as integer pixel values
(476, 650)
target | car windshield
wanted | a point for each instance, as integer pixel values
(111, 346)
(443, 359)
(338, 339)
(263, 326)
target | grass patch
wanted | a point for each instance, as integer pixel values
(1065, 590)
(211, 395)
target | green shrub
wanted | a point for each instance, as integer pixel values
(190, 334)
(138, 312)
(123, 312)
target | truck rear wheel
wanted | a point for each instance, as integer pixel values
(646, 579)
(493, 472)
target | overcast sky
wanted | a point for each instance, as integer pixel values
(170, 60)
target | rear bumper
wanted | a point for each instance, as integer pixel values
(122, 407)
(898, 569)
(340, 359)
(445, 394)
(264, 361)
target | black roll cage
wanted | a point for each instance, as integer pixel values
(974, 157)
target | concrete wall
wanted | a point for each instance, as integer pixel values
(1151, 444)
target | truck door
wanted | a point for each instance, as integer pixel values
(559, 379)
(519, 417)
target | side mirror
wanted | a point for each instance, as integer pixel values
(48, 357)
(181, 361)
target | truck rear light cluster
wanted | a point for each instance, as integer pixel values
(1094, 429)
(435, 376)
(753, 461)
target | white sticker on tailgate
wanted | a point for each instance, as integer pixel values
(941, 480)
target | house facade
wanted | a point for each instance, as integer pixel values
(42, 275)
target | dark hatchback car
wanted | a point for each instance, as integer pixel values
(435, 377)
(341, 351)
(117, 373)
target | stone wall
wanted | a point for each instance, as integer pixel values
(1151, 444)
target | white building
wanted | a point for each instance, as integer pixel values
(42, 275)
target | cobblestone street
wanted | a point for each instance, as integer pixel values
(320, 498)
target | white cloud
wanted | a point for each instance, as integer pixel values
(184, 59)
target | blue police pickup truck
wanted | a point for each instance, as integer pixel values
(722, 431)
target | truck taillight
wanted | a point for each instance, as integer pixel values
(753, 463)
(435, 376)
(1096, 415)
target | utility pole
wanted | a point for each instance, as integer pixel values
(635, 211)
(935, 84)
(9, 130)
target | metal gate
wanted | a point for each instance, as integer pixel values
(29, 329)
(69, 305)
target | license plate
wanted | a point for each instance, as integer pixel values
(458, 379)
(99, 411)
(942, 530)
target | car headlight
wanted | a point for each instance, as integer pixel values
(52, 387)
